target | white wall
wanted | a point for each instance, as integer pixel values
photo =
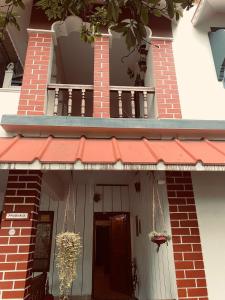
(209, 190)
(201, 95)
(9, 100)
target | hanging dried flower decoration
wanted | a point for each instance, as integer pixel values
(68, 252)
(159, 238)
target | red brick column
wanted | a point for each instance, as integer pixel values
(16, 251)
(167, 96)
(36, 73)
(189, 265)
(101, 105)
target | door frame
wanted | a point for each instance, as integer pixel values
(105, 216)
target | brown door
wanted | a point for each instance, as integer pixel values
(120, 254)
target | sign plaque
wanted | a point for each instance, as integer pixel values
(16, 216)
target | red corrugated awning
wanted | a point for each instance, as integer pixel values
(172, 154)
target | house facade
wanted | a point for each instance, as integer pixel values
(114, 146)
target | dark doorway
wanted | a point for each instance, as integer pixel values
(112, 279)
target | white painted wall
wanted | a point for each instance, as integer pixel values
(209, 190)
(201, 95)
(9, 100)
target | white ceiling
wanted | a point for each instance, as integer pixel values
(218, 5)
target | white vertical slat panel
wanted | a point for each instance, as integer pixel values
(54, 206)
(117, 206)
(88, 242)
(60, 227)
(80, 223)
(1, 200)
(107, 195)
(125, 198)
(74, 196)
(45, 201)
(3, 185)
(98, 206)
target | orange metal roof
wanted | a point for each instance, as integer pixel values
(109, 151)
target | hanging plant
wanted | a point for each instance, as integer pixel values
(159, 238)
(68, 252)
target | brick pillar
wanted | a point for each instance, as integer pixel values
(189, 265)
(36, 73)
(16, 251)
(101, 106)
(167, 96)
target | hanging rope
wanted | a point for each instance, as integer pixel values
(155, 236)
(70, 195)
(162, 286)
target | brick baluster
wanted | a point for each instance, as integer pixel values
(189, 265)
(101, 105)
(16, 251)
(36, 73)
(167, 96)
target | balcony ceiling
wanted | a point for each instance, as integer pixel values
(77, 61)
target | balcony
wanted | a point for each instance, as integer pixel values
(77, 100)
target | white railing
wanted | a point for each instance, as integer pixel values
(133, 98)
(68, 99)
(125, 101)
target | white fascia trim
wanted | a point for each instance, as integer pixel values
(11, 89)
(33, 30)
(118, 166)
(162, 38)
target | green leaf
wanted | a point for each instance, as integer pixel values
(144, 15)
(130, 39)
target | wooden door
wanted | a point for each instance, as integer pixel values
(120, 252)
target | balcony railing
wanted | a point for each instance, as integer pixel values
(77, 100)
(69, 99)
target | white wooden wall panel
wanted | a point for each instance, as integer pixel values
(80, 219)
(155, 270)
(116, 199)
(107, 198)
(3, 184)
(88, 243)
(124, 192)
(98, 206)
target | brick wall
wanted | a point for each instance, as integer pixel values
(189, 265)
(101, 107)
(36, 73)
(167, 96)
(16, 252)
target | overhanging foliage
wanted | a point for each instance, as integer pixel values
(129, 17)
